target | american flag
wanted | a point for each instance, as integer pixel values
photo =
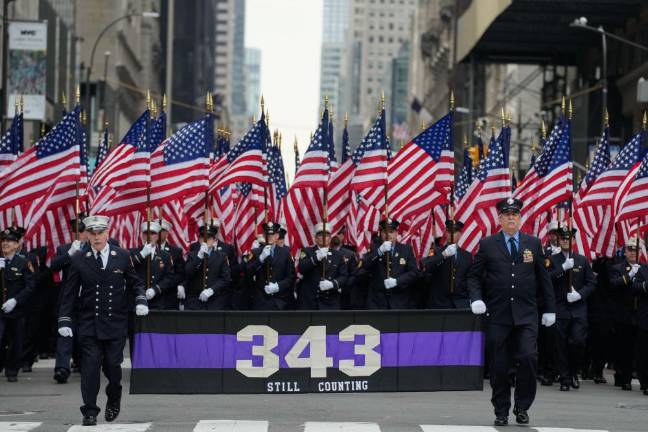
(36, 172)
(424, 165)
(424, 229)
(11, 142)
(180, 165)
(606, 191)
(116, 168)
(224, 198)
(277, 190)
(333, 163)
(246, 162)
(338, 193)
(157, 131)
(590, 220)
(104, 148)
(173, 213)
(371, 159)
(633, 204)
(549, 181)
(465, 177)
(492, 184)
(303, 207)
(362, 221)
(346, 148)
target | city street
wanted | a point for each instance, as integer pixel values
(37, 403)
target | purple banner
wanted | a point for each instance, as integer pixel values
(219, 351)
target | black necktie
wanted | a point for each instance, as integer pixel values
(99, 260)
(514, 251)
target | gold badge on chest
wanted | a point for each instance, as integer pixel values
(527, 256)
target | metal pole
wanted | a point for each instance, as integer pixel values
(5, 67)
(604, 81)
(169, 62)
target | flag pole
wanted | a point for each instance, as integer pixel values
(148, 198)
(386, 210)
(205, 269)
(570, 213)
(325, 197)
(268, 269)
(451, 209)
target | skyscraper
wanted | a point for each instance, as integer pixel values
(252, 82)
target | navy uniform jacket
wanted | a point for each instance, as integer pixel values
(101, 297)
(62, 259)
(403, 269)
(640, 289)
(218, 277)
(19, 280)
(162, 276)
(438, 267)
(583, 281)
(508, 285)
(335, 270)
(177, 259)
(623, 297)
(282, 272)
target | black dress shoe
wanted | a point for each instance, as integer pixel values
(12, 378)
(600, 380)
(626, 387)
(89, 420)
(564, 386)
(545, 381)
(574, 382)
(112, 412)
(501, 421)
(60, 376)
(645, 392)
(521, 416)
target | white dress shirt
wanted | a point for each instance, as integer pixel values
(104, 254)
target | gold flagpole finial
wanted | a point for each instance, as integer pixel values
(606, 118)
(22, 103)
(422, 126)
(153, 108)
(326, 102)
(493, 131)
(465, 141)
(570, 113)
(295, 149)
(42, 129)
(148, 99)
(63, 100)
(262, 105)
(16, 105)
(110, 141)
(78, 94)
(164, 102)
(382, 100)
(346, 120)
(503, 116)
(543, 129)
(534, 147)
(563, 105)
(644, 121)
(452, 100)
(84, 117)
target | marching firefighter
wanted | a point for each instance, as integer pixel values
(171, 298)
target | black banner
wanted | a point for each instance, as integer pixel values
(307, 352)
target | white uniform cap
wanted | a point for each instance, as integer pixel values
(166, 226)
(320, 228)
(96, 223)
(155, 227)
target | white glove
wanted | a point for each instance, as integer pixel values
(65, 331)
(635, 269)
(9, 305)
(147, 250)
(141, 310)
(2, 263)
(265, 253)
(150, 293)
(256, 244)
(385, 247)
(271, 288)
(573, 296)
(390, 283)
(555, 250)
(204, 250)
(205, 294)
(321, 253)
(449, 251)
(74, 247)
(181, 292)
(568, 264)
(325, 285)
(478, 307)
(548, 319)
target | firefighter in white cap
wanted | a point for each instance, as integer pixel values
(325, 274)
(99, 285)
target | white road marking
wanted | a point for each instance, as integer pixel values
(340, 427)
(231, 426)
(116, 427)
(453, 428)
(18, 426)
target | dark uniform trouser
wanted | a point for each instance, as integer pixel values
(642, 357)
(520, 342)
(14, 329)
(65, 349)
(624, 340)
(95, 355)
(600, 339)
(570, 346)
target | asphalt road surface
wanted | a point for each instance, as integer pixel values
(38, 403)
